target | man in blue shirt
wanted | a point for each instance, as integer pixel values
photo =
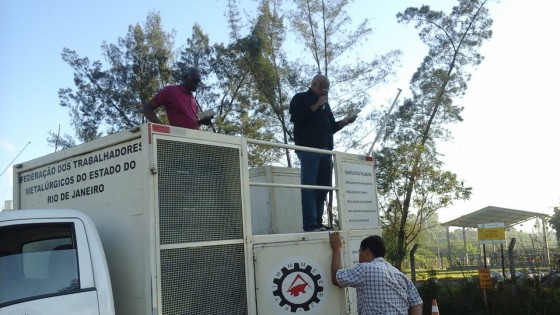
(381, 288)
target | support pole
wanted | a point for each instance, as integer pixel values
(512, 261)
(546, 251)
(503, 260)
(484, 257)
(449, 248)
(465, 247)
(384, 123)
(413, 263)
(484, 290)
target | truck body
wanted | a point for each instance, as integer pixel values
(186, 227)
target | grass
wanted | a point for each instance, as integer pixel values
(426, 274)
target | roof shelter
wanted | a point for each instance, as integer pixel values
(491, 214)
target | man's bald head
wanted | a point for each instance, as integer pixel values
(320, 84)
(191, 78)
(189, 72)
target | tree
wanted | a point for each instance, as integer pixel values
(110, 100)
(249, 81)
(230, 89)
(276, 74)
(410, 172)
(270, 75)
(434, 189)
(60, 142)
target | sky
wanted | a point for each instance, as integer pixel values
(506, 148)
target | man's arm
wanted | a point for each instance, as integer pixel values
(206, 121)
(415, 310)
(414, 298)
(345, 122)
(300, 112)
(336, 261)
(149, 112)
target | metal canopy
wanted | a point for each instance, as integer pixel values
(491, 214)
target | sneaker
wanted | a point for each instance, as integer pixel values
(327, 228)
(319, 229)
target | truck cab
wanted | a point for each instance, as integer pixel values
(52, 262)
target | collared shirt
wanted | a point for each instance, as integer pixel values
(180, 106)
(381, 288)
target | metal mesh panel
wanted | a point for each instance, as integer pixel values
(203, 280)
(199, 192)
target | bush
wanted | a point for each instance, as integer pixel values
(462, 297)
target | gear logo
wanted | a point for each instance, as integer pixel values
(298, 286)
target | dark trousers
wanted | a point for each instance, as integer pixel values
(316, 169)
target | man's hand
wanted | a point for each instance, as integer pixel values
(149, 112)
(348, 120)
(323, 99)
(337, 243)
(206, 121)
(352, 119)
(415, 310)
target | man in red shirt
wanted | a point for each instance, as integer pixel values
(179, 102)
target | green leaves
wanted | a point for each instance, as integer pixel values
(109, 100)
(253, 75)
(413, 185)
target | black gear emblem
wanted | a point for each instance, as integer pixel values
(295, 290)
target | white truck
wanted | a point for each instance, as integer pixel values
(173, 221)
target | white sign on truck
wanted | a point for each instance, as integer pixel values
(172, 208)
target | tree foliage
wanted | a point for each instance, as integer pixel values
(325, 28)
(271, 75)
(411, 177)
(276, 74)
(109, 100)
(248, 81)
(61, 142)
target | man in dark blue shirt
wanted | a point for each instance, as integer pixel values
(314, 126)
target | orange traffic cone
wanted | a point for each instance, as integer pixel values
(435, 310)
